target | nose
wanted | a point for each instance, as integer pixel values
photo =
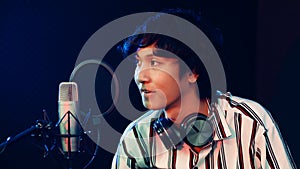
(141, 75)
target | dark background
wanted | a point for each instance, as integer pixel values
(40, 42)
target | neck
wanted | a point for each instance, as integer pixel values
(186, 105)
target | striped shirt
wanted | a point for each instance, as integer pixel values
(245, 137)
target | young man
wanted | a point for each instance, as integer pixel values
(185, 128)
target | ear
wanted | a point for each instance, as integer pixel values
(192, 77)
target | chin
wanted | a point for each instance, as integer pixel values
(153, 106)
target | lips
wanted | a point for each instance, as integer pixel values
(146, 91)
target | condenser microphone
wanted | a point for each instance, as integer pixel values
(69, 126)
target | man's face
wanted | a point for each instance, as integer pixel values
(158, 79)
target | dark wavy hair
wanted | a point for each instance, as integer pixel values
(140, 39)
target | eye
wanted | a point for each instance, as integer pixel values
(154, 62)
(138, 61)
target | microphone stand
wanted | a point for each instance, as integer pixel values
(39, 124)
(69, 135)
(42, 125)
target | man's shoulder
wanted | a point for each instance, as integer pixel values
(248, 108)
(252, 106)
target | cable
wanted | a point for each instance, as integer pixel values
(3, 149)
(95, 152)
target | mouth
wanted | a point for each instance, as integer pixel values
(145, 91)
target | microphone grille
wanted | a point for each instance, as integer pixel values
(68, 91)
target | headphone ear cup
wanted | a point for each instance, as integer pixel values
(168, 132)
(197, 130)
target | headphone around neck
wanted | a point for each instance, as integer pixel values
(194, 130)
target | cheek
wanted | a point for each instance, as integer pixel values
(156, 101)
(169, 87)
(172, 92)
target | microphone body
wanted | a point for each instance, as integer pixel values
(69, 126)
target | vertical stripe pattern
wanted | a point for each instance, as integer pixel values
(245, 137)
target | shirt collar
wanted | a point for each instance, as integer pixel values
(217, 117)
